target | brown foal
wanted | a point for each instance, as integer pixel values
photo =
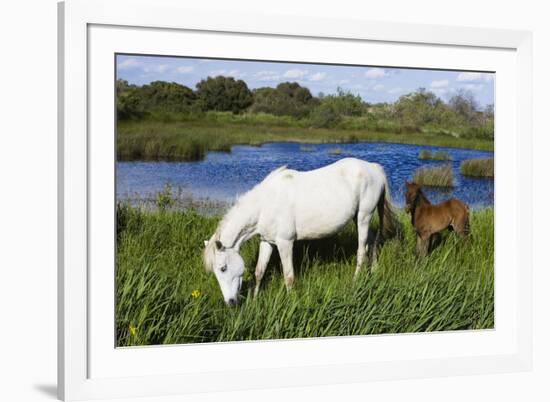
(428, 219)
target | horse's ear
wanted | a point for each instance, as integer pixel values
(205, 243)
(219, 245)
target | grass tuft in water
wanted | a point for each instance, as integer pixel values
(307, 148)
(435, 176)
(484, 167)
(436, 156)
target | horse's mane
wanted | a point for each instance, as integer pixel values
(235, 213)
(209, 252)
(246, 198)
(420, 196)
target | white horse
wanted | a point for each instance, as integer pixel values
(289, 205)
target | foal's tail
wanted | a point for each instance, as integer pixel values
(386, 214)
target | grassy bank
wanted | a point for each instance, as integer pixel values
(180, 137)
(164, 296)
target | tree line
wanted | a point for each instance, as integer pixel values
(411, 112)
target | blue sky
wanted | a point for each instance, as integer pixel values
(373, 84)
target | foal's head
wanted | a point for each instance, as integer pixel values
(413, 190)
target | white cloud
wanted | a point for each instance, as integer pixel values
(342, 82)
(378, 87)
(473, 87)
(317, 76)
(471, 76)
(184, 69)
(128, 64)
(295, 73)
(157, 68)
(444, 91)
(395, 90)
(439, 84)
(228, 73)
(376, 73)
(441, 91)
(237, 74)
(267, 75)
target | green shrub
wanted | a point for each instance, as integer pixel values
(287, 99)
(224, 94)
(324, 116)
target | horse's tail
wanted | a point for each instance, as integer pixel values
(386, 214)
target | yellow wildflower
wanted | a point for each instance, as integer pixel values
(195, 293)
(133, 330)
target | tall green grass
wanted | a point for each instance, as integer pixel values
(164, 296)
(435, 176)
(484, 167)
(188, 137)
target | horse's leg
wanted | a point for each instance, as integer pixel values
(285, 252)
(421, 244)
(433, 241)
(263, 258)
(363, 221)
(462, 227)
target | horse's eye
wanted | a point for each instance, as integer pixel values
(224, 268)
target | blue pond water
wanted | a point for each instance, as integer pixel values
(223, 176)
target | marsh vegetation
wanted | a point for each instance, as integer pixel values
(168, 121)
(164, 295)
(435, 156)
(434, 176)
(483, 167)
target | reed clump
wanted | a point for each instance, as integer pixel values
(434, 176)
(483, 167)
(307, 148)
(435, 156)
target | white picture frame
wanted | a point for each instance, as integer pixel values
(89, 365)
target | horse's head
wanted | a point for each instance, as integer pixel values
(410, 195)
(228, 267)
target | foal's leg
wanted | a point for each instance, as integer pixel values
(461, 226)
(363, 221)
(263, 258)
(285, 252)
(422, 244)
